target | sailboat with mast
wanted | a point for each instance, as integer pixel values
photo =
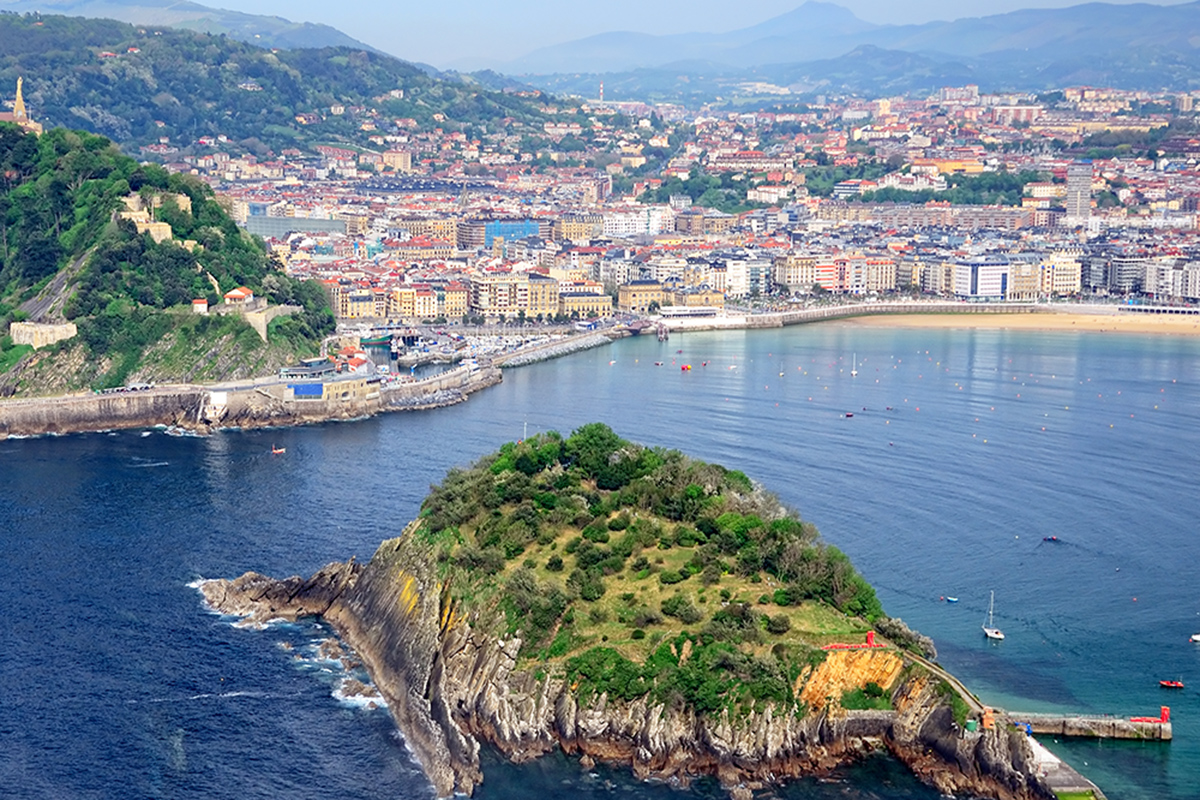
(990, 630)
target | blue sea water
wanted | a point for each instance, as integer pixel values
(965, 449)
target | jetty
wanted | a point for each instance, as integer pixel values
(1157, 729)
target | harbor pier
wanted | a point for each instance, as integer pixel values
(1156, 729)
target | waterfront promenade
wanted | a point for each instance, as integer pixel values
(778, 319)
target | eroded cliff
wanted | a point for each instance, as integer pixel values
(451, 683)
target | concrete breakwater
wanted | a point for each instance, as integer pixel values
(1096, 727)
(249, 404)
(175, 405)
(554, 349)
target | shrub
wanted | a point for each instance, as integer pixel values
(638, 633)
(737, 622)
(587, 583)
(682, 609)
(670, 576)
(895, 629)
(779, 624)
(619, 522)
(596, 534)
(860, 700)
(555, 564)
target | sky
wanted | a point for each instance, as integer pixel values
(470, 34)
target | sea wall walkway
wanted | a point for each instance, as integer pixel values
(778, 319)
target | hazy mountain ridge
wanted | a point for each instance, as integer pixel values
(1135, 46)
(262, 30)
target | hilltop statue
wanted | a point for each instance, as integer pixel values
(19, 114)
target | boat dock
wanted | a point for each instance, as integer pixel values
(1060, 777)
(1156, 729)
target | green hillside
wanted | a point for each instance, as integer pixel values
(612, 562)
(65, 255)
(137, 84)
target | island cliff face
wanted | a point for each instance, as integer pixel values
(472, 634)
(450, 686)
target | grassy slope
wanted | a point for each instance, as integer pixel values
(512, 586)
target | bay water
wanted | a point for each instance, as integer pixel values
(942, 468)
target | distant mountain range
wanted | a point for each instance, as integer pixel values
(818, 30)
(264, 31)
(824, 45)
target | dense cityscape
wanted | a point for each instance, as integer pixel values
(637, 208)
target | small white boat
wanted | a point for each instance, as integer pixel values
(990, 630)
(854, 369)
(1196, 638)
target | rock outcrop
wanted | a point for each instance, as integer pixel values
(451, 682)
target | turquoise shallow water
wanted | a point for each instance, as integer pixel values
(115, 680)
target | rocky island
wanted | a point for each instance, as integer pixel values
(634, 605)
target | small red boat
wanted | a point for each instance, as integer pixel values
(1171, 684)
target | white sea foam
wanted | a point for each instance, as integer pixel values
(151, 464)
(357, 700)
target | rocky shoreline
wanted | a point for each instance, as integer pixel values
(450, 685)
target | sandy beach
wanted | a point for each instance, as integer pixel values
(1106, 321)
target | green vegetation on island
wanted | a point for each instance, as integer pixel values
(65, 254)
(640, 572)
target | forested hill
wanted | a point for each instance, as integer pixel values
(137, 84)
(65, 255)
